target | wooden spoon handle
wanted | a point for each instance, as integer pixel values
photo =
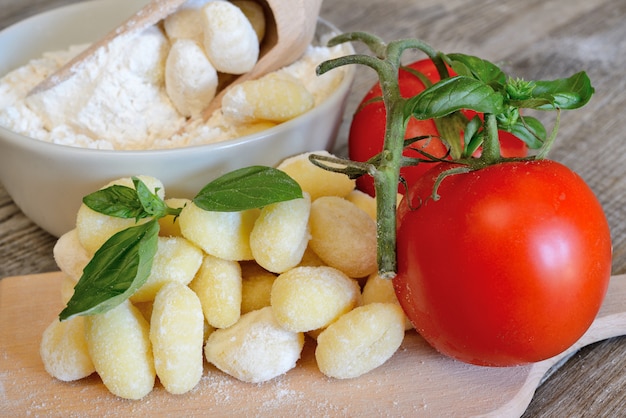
(610, 322)
(147, 16)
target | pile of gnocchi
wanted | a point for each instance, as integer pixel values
(241, 290)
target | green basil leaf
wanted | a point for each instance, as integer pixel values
(247, 188)
(531, 131)
(118, 201)
(473, 136)
(566, 93)
(115, 272)
(453, 94)
(152, 204)
(477, 68)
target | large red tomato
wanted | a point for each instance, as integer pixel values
(367, 130)
(509, 266)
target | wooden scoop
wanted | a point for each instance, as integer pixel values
(149, 15)
(416, 381)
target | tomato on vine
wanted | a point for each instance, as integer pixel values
(367, 129)
(496, 259)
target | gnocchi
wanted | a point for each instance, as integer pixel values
(314, 180)
(281, 234)
(177, 335)
(360, 340)
(64, 352)
(94, 228)
(222, 234)
(308, 298)
(343, 236)
(119, 345)
(230, 41)
(218, 285)
(240, 290)
(273, 98)
(176, 260)
(255, 349)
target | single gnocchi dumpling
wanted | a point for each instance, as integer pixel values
(314, 180)
(176, 260)
(177, 337)
(308, 298)
(281, 234)
(218, 286)
(190, 78)
(360, 340)
(363, 201)
(222, 234)
(274, 98)
(95, 228)
(255, 349)
(379, 290)
(230, 41)
(69, 254)
(256, 286)
(343, 236)
(63, 350)
(119, 346)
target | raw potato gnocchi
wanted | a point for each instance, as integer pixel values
(177, 335)
(273, 97)
(343, 236)
(255, 349)
(176, 260)
(64, 352)
(119, 345)
(308, 298)
(239, 290)
(230, 41)
(222, 234)
(281, 234)
(95, 228)
(360, 340)
(218, 285)
(314, 180)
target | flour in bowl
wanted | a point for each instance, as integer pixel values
(118, 100)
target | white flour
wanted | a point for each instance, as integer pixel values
(118, 100)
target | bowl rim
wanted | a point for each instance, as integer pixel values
(20, 140)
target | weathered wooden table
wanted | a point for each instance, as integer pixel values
(535, 39)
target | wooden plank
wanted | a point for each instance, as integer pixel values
(416, 381)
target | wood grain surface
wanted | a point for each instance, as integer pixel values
(416, 381)
(533, 39)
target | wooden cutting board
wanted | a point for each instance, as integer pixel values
(416, 381)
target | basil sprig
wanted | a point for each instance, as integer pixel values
(123, 263)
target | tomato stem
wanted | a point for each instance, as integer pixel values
(491, 143)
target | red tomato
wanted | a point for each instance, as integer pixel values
(367, 131)
(509, 266)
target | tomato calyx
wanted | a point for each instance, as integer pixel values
(472, 85)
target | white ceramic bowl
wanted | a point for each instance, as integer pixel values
(47, 181)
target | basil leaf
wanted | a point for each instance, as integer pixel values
(152, 204)
(453, 94)
(247, 188)
(566, 93)
(117, 201)
(478, 68)
(115, 272)
(531, 131)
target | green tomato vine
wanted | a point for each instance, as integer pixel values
(478, 85)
